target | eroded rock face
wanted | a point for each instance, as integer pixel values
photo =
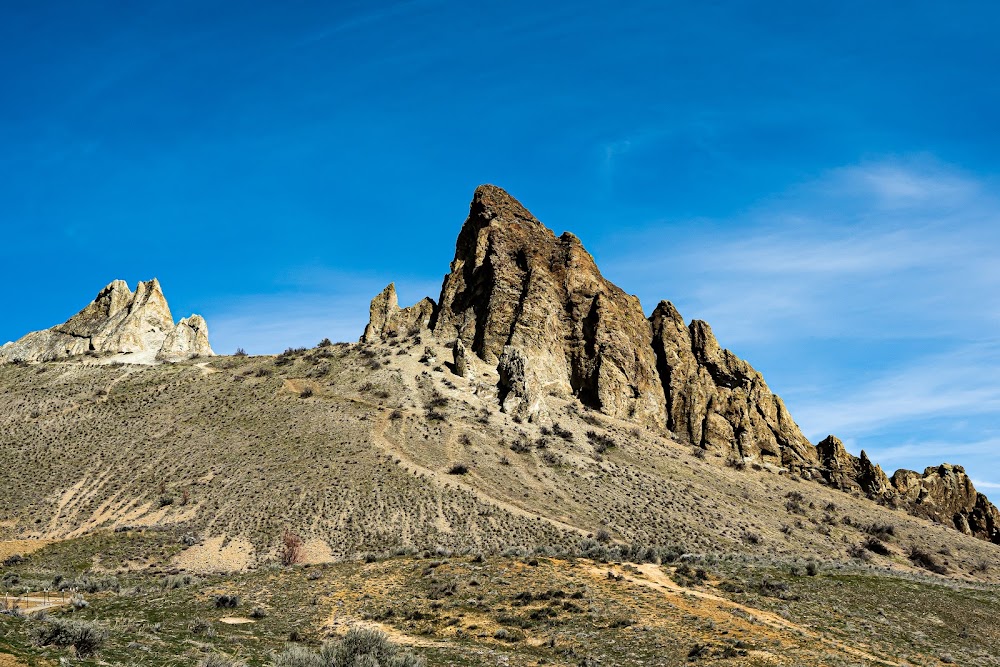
(946, 494)
(188, 339)
(117, 321)
(388, 320)
(872, 480)
(717, 400)
(839, 468)
(514, 284)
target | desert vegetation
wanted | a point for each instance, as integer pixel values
(397, 497)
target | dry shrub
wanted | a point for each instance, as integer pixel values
(291, 549)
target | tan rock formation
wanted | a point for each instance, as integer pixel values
(569, 331)
(537, 306)
(188, 339)
(946, 494)
(839, 468)
(872, 480)
(388, 320)
(718, 401)
(116, 322)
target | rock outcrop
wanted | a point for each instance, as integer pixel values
(388, 320)
(717, 401)
(839, 468)
(188, 339)
(872, 480)
(460, 359)
(942, 493)
(946, 494)
(116, 322)
(537, 306)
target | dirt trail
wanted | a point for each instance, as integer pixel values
(654, 577)
(408, 464)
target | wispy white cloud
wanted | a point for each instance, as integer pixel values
(963, 381)
(893, 263)
(909, 251)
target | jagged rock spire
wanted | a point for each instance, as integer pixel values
(515, 291)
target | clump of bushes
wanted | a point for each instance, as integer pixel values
(876, 545)
(563, 433)
(882, 531)
(458, 469)
(201, 628)
(226, 601)
(926, 560)
(292, 549)
(361, 646)
(84, 636)
(90, 584)
(601, 441)
(173, 581)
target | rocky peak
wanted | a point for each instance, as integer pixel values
(839, 468)
(117, 321)
(188, 339)
(871, 479)
(946, 494)
(517, 293)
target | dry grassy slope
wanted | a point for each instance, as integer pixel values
(231, 450)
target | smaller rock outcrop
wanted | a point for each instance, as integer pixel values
(460, 359)
(946, 494)
(839, 468)
(872, 480)
(117, 322)
(518, 396)
(188, 339)
(943, 493)
(388, 320)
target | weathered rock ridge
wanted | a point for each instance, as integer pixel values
(718, 401)
(120, 322)
(536, 306)
(942, 493)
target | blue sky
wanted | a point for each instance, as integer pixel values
(816, 180)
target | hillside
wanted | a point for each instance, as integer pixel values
(532, 413)
(351, 446)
